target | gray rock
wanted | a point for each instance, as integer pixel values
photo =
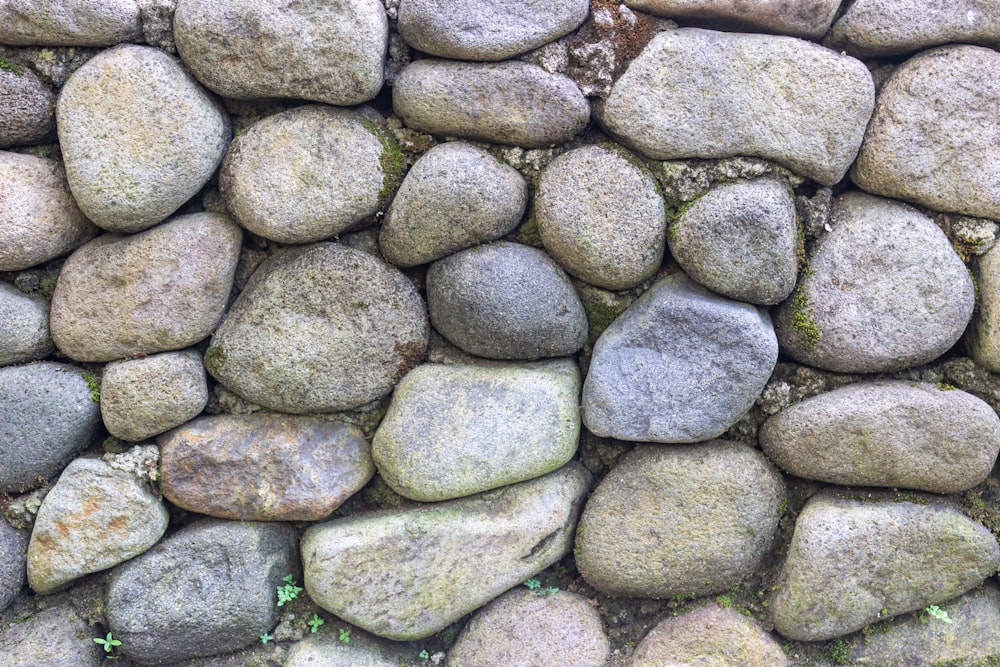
(601, 217)
(853, 562)
(669, 521)
(491, 30)
(69, 22)
(39, 219)
(55, 637)
(930, 141)
(801, 18)
(144, 397)
(406, 575)
(13, 559)
(327, 52)
(455, 430)
(680, 365)
(163, 289)
(47, 414)
(326, 650)
(884, 290)
(706, 94)
(739, 240)
(505, 301)
(343, 328)
(29, 108)
(138, 135)
(208, 588)
(506, 103)
(982, 338)
(24, 327)
(455, 196)
(310, 173)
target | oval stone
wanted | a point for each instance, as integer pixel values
(69, 22)
(24, 327)
(29, 108)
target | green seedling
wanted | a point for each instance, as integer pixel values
(345, 635)
(937, 612)
(108, 642)
(288, 591)
(315, 622)
(265, 638)
(424, 655)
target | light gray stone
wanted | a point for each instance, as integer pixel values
(364, 650)
(700, 93)
(69, 22)
(13, 559)
(982, 338)
(24, 327)
(801, 18)
(680, 365)
(56, 636)
(138, 135)
(29, 108)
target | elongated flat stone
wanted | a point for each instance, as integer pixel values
(69, 22)
(801, 18)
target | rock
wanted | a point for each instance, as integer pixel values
(506, 103)
(853, 562)
(54, 636)
(718, 500)
(362, 651)
(263, 467)
(455, 430)
(801, 18)
(208, 588)
(505, 301)
(47, 414)
(493, 30)
(739, 240)
(680, 365)
(455, 196)
(524, 627)
(138, 135)
(600, 215)
(69, 22)
(144, 397)
(29, 108)
(982, 337)
(700, 93)
(884, 290)
(39, 219)
(930, 141)
(310, 173)
(326, 52)
(163, 289)
(94, 518)
(408, 574)
(343, 328)
(13, 556)
(887, 433)
(24, 327)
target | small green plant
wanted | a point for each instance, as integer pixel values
(424, 655)
(944, 386)
(265, 638)
(288, 591)
(937, 612)
(724, 601)
(315, 622)
(108, 642)
(838, 652)
(94, 385)
(8, 66)
(345, 635)
(533, 584)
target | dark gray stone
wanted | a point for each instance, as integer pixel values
(56, 636)
(13, 559)
(29, 115)
(24, 327)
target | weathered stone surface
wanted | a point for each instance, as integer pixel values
(706, 94)
(455, 430)
(506, 103)
(982, 338)
(46, 415)
(24, 327)
(163, 289)
(455, 196)
(329, 52)
(343, 328)
(363, 651)
(311, 172)
(601, 217)
(884, 291)
(69, 22)
(138, 135)
(39, 219)
(505, 301)
(931, 141)
(208, 588)
(896, 434)
(739, 240)
(54, 636)
(144, 397)
(29, 108)
(13, 556)
(680, 365)
(853, 562)
(801, 18)
(659, 506)
(408, 574)
(263, 467)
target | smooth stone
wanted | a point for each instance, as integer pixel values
(55, 636)
(144, 397)
(263, 467)
(24, 327)
(455, 196)
(39, 219)
(982, 337)
(706, 94)
(343, 329)
(853, 562)
(208, 588)
(809, 19)
(884, 290)
(13, 559)
(159, 290)
(29, 108)
(455, 430)
(407, 574)
(47, 414)
(331, 52)
(310, 173)
(932, 141)
(138, 135)
(680, 365)
(660, 505)
(601, 217)
(94, 518)
(739, 240)
(511, 102)
(69, 22)
(363, 650)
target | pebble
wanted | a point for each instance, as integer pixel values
(809, 19)
(982, 337)
(29, 108)
(13, 557)
(54, 636)
(24, 327)
(69, 22)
